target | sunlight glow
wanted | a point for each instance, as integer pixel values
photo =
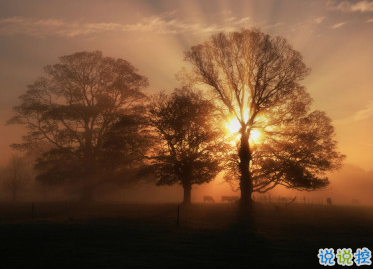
(255, 135)
(233, 126)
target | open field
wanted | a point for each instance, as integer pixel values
(70, 235)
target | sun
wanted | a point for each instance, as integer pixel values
(233, 126)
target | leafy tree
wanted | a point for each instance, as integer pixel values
(190, 143)
(256, 79)
(126, 144)
(73, 107)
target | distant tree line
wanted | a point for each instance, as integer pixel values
(100, 126)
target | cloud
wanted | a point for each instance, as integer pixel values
(273, 25)
(348, 6)
(319, 20)
(35, 27)
(338, 25)
(230, 19)
(242, 20)
(161, 24)
(362, 114)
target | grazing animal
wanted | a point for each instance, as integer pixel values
(229, 199)
(284, 202)
(208, 199)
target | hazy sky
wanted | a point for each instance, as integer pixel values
(335, 38)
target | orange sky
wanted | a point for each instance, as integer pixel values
(335, 38)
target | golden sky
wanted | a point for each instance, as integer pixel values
(334, 37)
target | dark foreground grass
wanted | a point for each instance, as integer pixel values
(69, 235)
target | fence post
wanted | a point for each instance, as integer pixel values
(178, 216)
(32, 210)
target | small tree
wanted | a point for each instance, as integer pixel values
(73, 107)
(190, 142)
(15, 176)
(256, 79)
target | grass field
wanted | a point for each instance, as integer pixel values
(71, 235)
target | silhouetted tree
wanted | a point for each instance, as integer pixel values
(256, 79)
(73, 107)
(125, 146)
(190, 142)
(15, 175)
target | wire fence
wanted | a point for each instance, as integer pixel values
(292, 199)
(272, 199)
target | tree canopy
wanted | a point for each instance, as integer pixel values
(73, 107)
(90, 109)
(190, 141)
(256, 79)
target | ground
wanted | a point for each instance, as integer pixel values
(71, 235)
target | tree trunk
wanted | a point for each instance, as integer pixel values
(246, 184)
(88, 179)
(187, 193)
(87, 194)
(90, 174)
(14, 196)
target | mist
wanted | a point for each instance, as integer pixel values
(196, 134)
(351, 185)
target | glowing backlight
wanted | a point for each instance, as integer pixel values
(234, 127)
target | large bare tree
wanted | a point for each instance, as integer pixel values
(73, 107)
(257, 78)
